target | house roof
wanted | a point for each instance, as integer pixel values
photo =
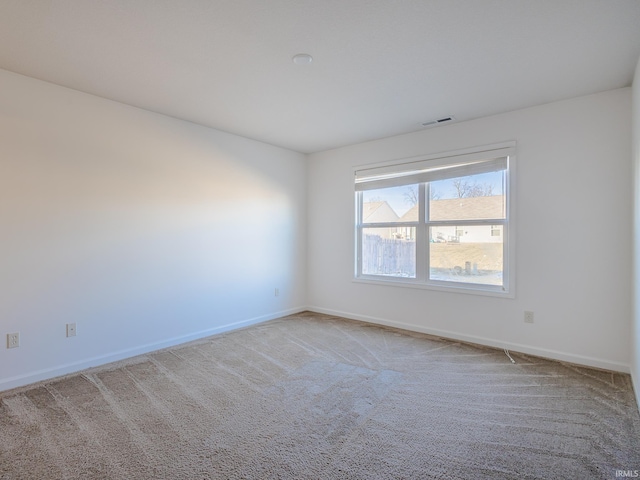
(378, 212)
(461, 209)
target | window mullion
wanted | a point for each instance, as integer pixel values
(452, 223)
(389, 224)
(358, 245)
(422, 235)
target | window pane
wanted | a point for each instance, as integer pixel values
(476, 197)
(389, 251)
(395, 204)
(473, 257)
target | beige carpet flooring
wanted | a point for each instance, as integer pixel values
(316, 397)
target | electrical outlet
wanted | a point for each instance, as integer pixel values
(71, 329)
(528, 317)
(13, 340)
(276, 292)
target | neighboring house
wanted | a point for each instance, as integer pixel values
(461, 209)
(380, 212)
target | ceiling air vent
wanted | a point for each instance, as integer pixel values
(440, 121)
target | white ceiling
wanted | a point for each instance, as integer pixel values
(380, 68)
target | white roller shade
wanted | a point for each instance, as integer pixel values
(433, 169)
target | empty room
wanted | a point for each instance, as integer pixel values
(303, 239)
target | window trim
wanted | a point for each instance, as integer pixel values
(421, 280)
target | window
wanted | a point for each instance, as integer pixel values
(438, 222)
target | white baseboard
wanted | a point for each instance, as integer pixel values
(66, 369)
(516, 347)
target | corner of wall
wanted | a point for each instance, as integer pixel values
(635, 327)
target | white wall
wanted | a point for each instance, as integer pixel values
(635, 337)
(148, 231)
(573, 179)
(145, 230)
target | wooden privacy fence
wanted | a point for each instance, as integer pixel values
(388, 256)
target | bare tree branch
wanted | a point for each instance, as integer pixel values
(465, 189)
(411, 195)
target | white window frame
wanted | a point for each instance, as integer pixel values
(421, 170)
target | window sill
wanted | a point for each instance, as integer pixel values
(459, 288)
